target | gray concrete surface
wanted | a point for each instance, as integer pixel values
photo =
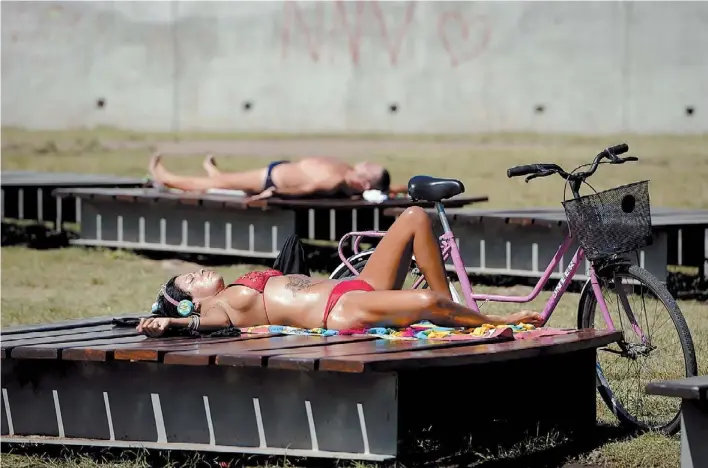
(446, 67)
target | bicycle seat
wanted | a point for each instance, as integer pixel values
(432, 189)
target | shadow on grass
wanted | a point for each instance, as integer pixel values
(549, 450)
(512, 448)
(35, 236)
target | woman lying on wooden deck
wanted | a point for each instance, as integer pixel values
(201, 301)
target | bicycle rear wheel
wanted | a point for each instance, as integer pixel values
(625, 368)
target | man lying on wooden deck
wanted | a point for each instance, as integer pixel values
(316, 176)
(200, 301)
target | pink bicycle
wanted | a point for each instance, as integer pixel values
(607, 225)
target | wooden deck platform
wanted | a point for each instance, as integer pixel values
(357, 397)
(219, 224)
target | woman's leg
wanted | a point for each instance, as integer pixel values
(249, 181)
(412, 229)
(403, 308)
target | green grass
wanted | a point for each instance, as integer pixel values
(677, 167)
(45, 286)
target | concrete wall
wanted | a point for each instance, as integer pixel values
(458, 67)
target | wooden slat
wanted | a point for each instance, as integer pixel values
(343, 203)
(65, 179)
(260, 357)
(484, 353)
(309, 360)
(152, 349)
(97, 351)
(207, 354)
(57, 350)
(60, 332)
(691, 388)
(253, 353)
(116, 332)
(65, 324)
(239, 201)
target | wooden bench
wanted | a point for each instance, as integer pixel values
(356, 397)
(693, 392)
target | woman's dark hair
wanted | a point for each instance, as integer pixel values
(164, 307)
(384, 183)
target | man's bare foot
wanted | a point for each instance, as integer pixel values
(155, 165)
(209, 165)
(157, 171)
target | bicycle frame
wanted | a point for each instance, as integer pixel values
(450, 250)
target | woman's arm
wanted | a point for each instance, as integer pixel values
(215, 318)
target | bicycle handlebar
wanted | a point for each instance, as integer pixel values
(543, 170)
(531, 169)
(522, 170)
(614, 151)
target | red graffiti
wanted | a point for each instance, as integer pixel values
(353, 36)
(462, 38)
(291, 11)
(395, 48)
(313, 33)
(458, 41)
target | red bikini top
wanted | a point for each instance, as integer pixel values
(256, 279)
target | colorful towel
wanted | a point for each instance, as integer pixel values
(419, 331)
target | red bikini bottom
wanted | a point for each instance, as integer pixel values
(340, 289)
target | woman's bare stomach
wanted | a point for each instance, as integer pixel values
(297, 300)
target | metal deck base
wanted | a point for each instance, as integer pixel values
(184, 229)
(196, 448)
(127, 404)
(27, 195)
(217, 224)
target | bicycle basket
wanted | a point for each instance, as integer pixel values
(611, 222)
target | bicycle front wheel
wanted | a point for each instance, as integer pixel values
(665, 352)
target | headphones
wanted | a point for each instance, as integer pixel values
(184, 307)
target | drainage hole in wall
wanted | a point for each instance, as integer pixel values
(393, 108)
(100, 103)
(539, 109)
(247, 105)
(690, 110)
